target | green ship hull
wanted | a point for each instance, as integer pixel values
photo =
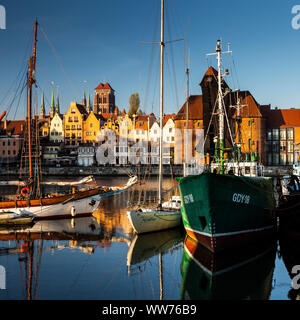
(224, 211)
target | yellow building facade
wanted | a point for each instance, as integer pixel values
(74, 123)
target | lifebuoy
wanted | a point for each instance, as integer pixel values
(24, 247)
(25, 192)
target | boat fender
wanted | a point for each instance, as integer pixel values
(25, 192)
(73, 211)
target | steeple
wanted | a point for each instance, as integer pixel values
(42, 111)
(88, 108)
(57, 105)
(52, 105)
(84, 99)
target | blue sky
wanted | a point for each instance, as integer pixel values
(96, 41)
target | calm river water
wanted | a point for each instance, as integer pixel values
(99, 257)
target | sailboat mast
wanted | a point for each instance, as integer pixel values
(31, 81)
(220, 108)
(186, 137)
(162, 46)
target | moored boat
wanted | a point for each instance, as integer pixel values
(145, 220)
(223, 210)
(165, 215)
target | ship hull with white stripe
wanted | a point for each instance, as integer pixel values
(225, 211)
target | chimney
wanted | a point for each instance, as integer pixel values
(5, 124)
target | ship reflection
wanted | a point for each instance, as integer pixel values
(228, 275)
(290, 254)
(29, 244)
(145, 246)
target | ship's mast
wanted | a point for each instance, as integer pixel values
(220, 108)
(221, 111)
(31, 81)
(162, 46)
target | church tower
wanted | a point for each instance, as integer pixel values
(104, 100)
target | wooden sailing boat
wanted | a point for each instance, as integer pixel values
(222, 210)
(29, 199)
(154, 219)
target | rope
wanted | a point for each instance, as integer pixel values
(59, 61)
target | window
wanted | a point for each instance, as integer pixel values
(282, 146)
(276, 158)
(269, 135)
(290, 133)
(275, 134)
(283, 158)
(91, 125)
(290, 158)
(3, 143)
(289, 146)
(282, 134)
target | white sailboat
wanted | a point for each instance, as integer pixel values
(163, 217)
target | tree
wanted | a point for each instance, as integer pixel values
(134, 102)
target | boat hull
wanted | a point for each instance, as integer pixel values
(150, 220)
(64, 208)
(224, 211)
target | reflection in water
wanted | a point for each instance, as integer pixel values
(100, 257)
(290, 253)
(44, 258)
(226, 275)
(145, 246)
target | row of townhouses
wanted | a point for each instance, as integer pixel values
(99, 133)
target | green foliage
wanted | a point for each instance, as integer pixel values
(134, 102)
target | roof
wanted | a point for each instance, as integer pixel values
(104, 86)
(282, 117)
(107, 115)
(15, 127)
(167, 117)
(195, 109)
(249, 106)
(81, 108)
(211, 72)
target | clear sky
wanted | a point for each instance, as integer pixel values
(82, 43)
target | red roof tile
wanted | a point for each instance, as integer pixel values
(14, 127)
(103, 86)
(195, 109)
(282, 118)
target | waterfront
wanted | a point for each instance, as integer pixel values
(100, 258)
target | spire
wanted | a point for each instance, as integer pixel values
(89, 104)
(57, 105)
(52, 105)
(84, 99)
(42, 111)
